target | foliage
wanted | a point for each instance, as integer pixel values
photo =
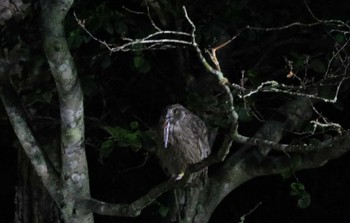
(120, 137)
(298, 191)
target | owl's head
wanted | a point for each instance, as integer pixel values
(174, 114)
(171, 120)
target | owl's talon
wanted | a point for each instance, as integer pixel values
(180, 176)
(175, 178)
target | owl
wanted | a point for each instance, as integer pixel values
(183, 139)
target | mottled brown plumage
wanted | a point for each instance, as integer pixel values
(183, 140)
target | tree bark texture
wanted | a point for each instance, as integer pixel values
(33, 203)
(74, 170)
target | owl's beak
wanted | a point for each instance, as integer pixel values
(169, 117)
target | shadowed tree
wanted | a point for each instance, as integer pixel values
(224, 102)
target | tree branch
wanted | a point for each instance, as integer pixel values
(43, 167)
(74, 164)
(233, 173)
(329, 150)
(224, 83)
(127, 210)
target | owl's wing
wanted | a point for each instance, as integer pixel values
(203, 142)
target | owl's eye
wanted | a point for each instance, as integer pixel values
(176, 112)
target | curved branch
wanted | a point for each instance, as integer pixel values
(298, 148)
(234, 171)
(244, 169)
(43, 167)
(127, 210)
(74, 164)
(329, 150)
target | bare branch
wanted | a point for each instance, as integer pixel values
(127, 210)
(150, 17)
(151, 42)
(331, 149)
(220, 76)
(334, 56)
(302, 148)
(132, 11)
(274, 86)
(81, 23)
(339, 22)
(225, 148)
(242, 218)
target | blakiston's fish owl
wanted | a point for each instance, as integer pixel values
(183, 139)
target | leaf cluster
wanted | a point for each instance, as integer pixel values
(131, 137)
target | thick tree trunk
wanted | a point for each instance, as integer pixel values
(33, 203)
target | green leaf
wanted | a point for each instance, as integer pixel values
(115, 132)
(106, 148)
(145, 68)
(134, 125)
(130, 138)
(141, 64)
(251, 73)
(163, 210)
(304, 201)
(339, 38)
(298, 61)
(74, 39)
(285, 174)
(138, 61)
(298, 191)
(124, 137)
(297, 187)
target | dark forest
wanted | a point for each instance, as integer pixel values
(84, 84)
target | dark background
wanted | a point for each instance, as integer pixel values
(118, 92)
